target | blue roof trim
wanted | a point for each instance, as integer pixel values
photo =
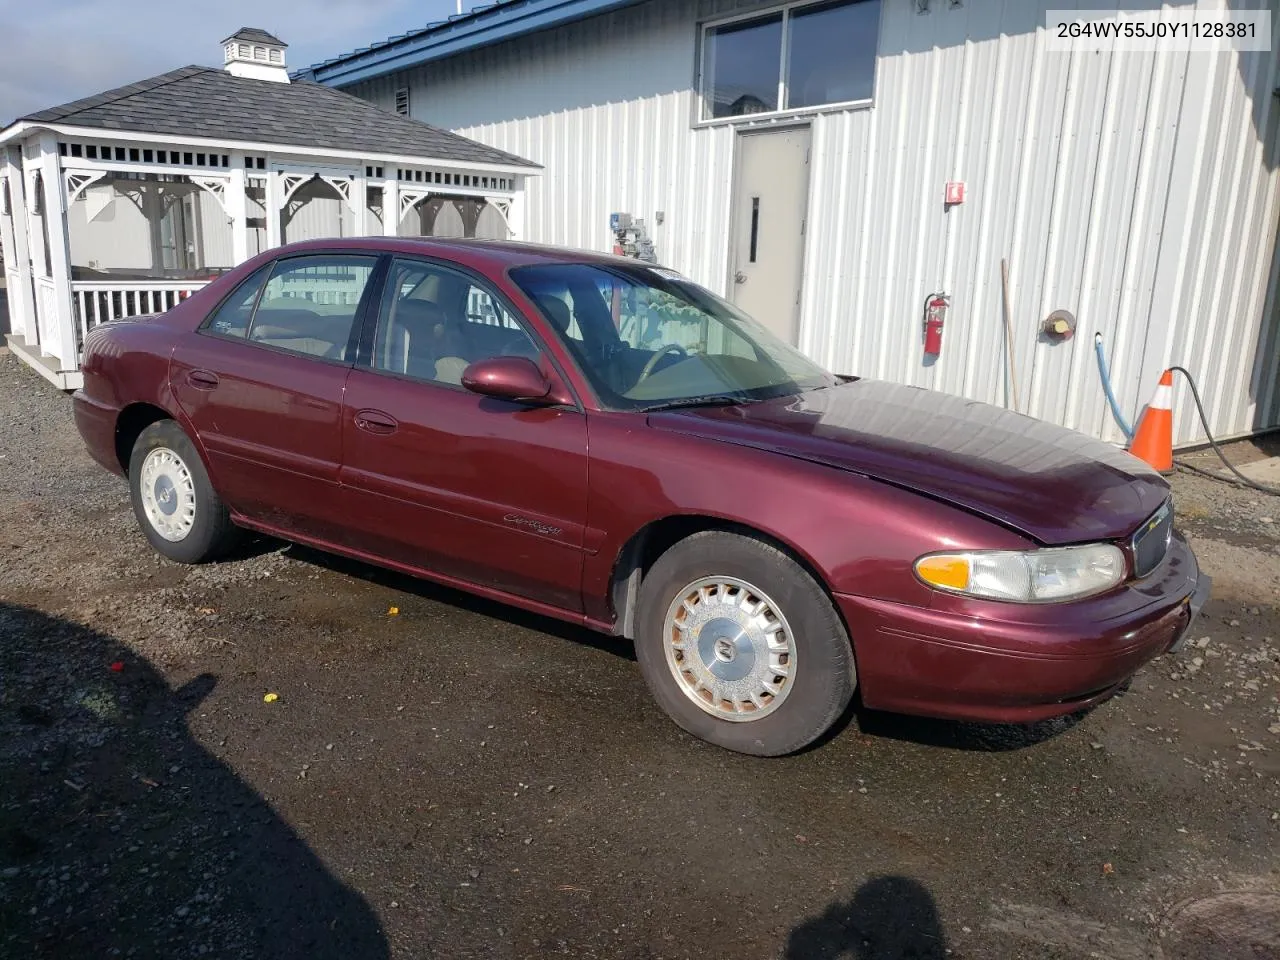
(483, 26)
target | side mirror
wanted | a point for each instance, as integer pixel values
(508, 378)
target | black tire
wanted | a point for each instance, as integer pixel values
(211, 533)
(825, 676)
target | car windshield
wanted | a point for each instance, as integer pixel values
(646, 338)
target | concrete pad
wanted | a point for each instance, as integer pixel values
(1260, 471)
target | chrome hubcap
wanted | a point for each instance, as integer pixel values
(168, 494)
(729, 648)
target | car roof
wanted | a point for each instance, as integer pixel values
(494, 254)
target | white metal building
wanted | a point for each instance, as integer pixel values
(125, 202)
(1136, 190)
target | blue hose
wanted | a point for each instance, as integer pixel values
(1121, 422)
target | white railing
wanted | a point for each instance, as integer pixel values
(97, 301)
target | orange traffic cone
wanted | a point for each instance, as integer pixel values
(1153, 440)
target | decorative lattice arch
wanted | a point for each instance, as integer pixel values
(343, 186)
(140, 192)
(503, 206)
(215, 187)
(410, 197)
(293, 182)
(80, 180)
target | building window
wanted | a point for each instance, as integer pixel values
(741, 65)
(244, 50)
(402, 101)
(275, 55)
(802, 56)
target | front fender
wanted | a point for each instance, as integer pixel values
(859, 535)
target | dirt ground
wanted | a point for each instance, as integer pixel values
(462, 780)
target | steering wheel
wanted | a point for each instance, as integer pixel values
(652, 365)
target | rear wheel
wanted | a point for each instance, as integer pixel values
(173, 500)
(741, 646)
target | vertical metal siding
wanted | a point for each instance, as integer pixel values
(1138, 190)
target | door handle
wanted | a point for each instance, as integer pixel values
(376, 422)
(202, 379)
(739, 277)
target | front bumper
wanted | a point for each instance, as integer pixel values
(1006, 663)
(1194, 605)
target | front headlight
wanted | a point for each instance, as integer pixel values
(1032, 576)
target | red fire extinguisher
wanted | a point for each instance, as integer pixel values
(935, 315)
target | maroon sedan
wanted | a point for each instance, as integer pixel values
(605, 442)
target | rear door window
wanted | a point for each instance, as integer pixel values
(309, 305)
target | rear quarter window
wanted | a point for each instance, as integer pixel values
(231, 319)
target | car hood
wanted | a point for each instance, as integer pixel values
(1052, 484)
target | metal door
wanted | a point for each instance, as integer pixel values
(770, 204)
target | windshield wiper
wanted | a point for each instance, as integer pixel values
(711, 400)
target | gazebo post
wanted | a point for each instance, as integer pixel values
(55, 218)
(356, 202)
(515, 212)
(274, 205)
(238, 210)
(391, 208)
(153, 213)
(22, 313)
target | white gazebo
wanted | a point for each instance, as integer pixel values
(124, 203)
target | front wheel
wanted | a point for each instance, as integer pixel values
(173, 500)
(741, 646)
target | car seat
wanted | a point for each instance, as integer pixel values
(424, 344)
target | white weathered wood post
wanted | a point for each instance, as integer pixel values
(63, 322)
(356, 201)
(391, 208)
(274, 205)
(238, 209)
(17, 252)
(516, 212)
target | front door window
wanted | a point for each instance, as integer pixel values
(434, 323)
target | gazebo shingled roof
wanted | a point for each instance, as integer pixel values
(209, 102)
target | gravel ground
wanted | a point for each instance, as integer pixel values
(462, 780)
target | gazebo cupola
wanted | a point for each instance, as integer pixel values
(125, 202)
(256, 54)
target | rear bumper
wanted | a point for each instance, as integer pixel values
(97, 425)
(978, 663)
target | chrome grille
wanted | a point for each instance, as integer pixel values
(1151, 540)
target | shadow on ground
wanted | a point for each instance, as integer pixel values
(987, 738)
(120, 835)
(464, 601)
(956, 735)
(888, 918)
